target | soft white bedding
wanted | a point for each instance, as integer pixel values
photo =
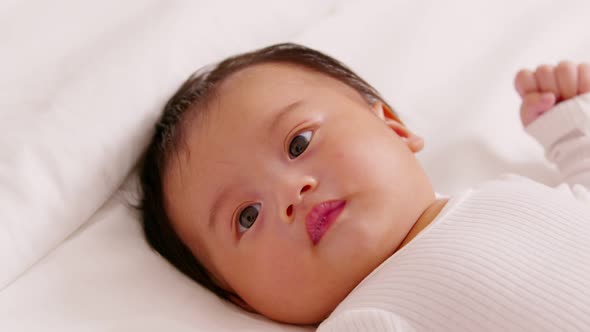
(83, 82)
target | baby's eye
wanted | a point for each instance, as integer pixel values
(248, 216)
(299, 143)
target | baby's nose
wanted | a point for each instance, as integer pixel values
(309, 184)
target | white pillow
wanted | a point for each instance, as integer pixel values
(79, 112)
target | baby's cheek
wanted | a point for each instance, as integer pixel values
(339, 156)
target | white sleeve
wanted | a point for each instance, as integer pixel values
(362, 320)
(564, 132)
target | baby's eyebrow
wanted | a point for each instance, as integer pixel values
(283, 112)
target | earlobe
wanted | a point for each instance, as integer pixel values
(414, 142)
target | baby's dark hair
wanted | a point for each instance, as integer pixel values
(197, 91)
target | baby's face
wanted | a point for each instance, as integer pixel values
(277, 142)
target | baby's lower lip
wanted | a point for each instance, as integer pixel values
(319, 219)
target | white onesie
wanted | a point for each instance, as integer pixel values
(508, 255)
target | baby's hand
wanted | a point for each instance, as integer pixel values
(549, 85)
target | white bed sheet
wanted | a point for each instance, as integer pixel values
(447, 67)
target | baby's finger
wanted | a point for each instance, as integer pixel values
(535, 104)
(567, 79)
(546, 79)
(525, 82)
(583, 78)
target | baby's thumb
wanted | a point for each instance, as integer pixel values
(534, 104)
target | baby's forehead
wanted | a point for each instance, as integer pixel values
(272, 85)
(273, 72)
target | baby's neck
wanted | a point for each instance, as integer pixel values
(424, 220)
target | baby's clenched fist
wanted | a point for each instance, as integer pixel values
(548, 85)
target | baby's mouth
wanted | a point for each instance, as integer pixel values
(321, 216)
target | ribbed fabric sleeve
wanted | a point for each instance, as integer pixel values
(510, 254)
(564, 132)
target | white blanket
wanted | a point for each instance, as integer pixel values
(83, 82)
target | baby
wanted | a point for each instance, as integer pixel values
(281, 181)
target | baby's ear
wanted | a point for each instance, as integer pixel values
(414, 142)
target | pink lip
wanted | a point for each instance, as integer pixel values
(321, 217)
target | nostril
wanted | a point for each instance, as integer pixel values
(290, 210)
(305, 188)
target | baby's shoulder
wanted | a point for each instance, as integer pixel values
(507, 181)
(515, 186)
